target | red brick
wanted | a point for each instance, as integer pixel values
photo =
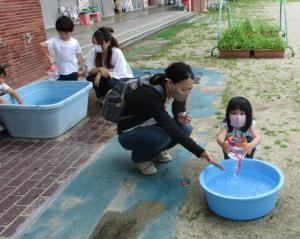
(34, 206)
(47, 181)
(26, 187)
(21, 17)
(8, 202)
(30, 197)
(13, 227)
(11, 214)
(51, 190)
(3, 182)
(20, 179)
(4, 192)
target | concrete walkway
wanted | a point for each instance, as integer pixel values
(110, 199)
(137, 26)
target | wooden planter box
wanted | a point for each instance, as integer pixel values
(234, 53)
(268, 53)
(258, 53)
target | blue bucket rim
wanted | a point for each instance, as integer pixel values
(275, 189)
(87, 87)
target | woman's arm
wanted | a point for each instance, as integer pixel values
(209, 159)
(91, 66)
(121, 68)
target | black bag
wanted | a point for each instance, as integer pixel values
(115, 100)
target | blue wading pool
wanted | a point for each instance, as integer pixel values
(248, 195)
(50, 108)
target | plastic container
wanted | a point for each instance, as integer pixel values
(50, 108)
(249, 195)
(53, 72)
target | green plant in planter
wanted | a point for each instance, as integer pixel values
(247, 35)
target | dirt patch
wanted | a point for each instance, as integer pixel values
(128, 224)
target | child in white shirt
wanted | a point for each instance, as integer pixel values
(5, 89)
(66, 49)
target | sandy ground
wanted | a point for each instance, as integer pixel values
(273, 87)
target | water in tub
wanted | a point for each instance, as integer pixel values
(249, 183)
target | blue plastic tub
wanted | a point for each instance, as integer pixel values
(50, 108)
(249, 195)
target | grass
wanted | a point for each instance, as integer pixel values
(247, 35)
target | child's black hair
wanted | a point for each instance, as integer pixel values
(64, 24)
(2, 71)
(242, 104)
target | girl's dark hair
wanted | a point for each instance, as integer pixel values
(239, 103)
(3, 71)
(101, 35)
(64, 24)
(176, 72)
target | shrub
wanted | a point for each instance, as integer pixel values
(247, 35)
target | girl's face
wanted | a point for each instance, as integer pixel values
(237, 118)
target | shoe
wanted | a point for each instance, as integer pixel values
(146, 168)
(163, 157)
(101, 99)
(2, 127)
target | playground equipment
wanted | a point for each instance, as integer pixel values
(282, 29)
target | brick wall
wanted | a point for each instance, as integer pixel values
(27, 62)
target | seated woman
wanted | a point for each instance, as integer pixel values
(148, 130)
(106, 62)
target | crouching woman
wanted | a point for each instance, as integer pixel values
(148, 130)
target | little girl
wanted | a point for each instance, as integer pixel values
(238, 122)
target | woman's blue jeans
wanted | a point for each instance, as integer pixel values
(147, 142)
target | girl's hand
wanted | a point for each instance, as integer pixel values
(225, 147)
(184, 118)
(248, 149)
(209, 159)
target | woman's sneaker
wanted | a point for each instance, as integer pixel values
(146, 168)
(162, 157)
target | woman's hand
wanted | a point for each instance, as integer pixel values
(97, 79)
(104, 72)
(184, 118)
(209, 159)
